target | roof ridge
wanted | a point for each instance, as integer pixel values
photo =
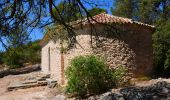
(127, 20)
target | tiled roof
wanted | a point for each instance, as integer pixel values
(44, 40)
(103, 18)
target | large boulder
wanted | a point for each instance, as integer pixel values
(158, 91)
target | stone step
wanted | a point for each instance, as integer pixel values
(39, 81)
(51, 83)
(29, 81)
(24, 86)
(42, 82)
(21, 86)
(43, 78)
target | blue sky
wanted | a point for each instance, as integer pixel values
(37, 33)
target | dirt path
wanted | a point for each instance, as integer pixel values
(42, 92)
(36, 93)
(25, 94)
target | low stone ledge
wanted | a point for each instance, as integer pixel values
(43, 80)
(23, 70)
(51, 83)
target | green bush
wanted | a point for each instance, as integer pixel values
(118, 76)
(1, 56)
(34, 52)
(161, 49)
(88, 75)
(13, 58)
(18, 56)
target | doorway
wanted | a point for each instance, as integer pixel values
(49, 59)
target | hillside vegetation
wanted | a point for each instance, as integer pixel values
(19, 56)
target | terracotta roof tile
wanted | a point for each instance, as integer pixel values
(104, 18)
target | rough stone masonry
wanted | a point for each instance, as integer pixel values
(131, 48)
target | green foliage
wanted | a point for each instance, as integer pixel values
(68, 11)
(123, 8)
(147, 11)
(18, 38)
(144, 78)
(88, 75)
(167, 61)
(18, 56)
(1, 56)
(118, 75)
(13, 58)
(95, 11)
(33, 52)
(161, 49)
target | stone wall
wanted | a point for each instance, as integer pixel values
(131, 49)
(54, 67)
(83, 47)
(140, 41)
(116, 53)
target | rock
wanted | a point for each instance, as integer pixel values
(46, 76)
(19, 85)
(28, 83)
(157, 91)
(51, 83)
(59, 97)
(42, 83)
(111, 96)
(14, 85)
(43, 77)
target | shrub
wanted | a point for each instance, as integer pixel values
(119, 76)
(13, 58)
(1, 56)
(32, 54)
(18, 56)
(161, 49)
(88, 75)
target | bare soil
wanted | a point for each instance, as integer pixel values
(43, 92)
(35, 93)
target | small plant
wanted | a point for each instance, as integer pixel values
(1, 56)
(88, 75)
(119, 76)
(144, 78)
(13, 58)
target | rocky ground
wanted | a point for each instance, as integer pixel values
(35, 93)
(155, 89)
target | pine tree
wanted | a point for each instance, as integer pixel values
(124, 8)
